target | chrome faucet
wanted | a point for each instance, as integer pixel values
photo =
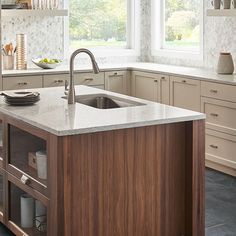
(71, 92)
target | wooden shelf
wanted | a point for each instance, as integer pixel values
(20, 13)
(221, 12)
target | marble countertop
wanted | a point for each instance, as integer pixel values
(189, 72)
(53, 114)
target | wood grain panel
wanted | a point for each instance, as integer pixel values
(133, 182)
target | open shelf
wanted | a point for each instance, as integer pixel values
(22, 12)
(222, 12)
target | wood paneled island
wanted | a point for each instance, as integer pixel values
(129, 171)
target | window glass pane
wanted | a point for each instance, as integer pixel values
(182, 24)
(98, 23)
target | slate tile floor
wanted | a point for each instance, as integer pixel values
(220, 205)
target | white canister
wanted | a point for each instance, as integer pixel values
(27, 211)
(225, 63)
(40, 215)
(41, 159)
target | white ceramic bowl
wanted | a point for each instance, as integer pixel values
(45, 65)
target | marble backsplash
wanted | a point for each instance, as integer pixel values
(46, 37)
(219, 35)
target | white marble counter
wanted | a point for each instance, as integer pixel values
(189, 72)
(53, 114)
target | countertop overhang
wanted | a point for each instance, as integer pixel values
(54, 115)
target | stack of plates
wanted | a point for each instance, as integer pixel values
(21, 98)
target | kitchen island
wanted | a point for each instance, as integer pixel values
(134, 170)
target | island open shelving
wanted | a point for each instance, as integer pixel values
(42, 13)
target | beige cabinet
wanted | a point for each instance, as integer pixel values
(22, 82)
(218, 102)
(89, 79)
(219, 91)
(150, 86)
(220, 151)
(55, 80)
(118, 82)
(185, 93)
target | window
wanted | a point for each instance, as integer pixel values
(102, 24)
(177, 26)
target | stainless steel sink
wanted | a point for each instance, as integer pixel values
(103, 101)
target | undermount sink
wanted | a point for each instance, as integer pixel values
(103, 101)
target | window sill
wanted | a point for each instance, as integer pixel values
(178, 54)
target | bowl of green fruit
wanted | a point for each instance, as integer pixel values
(47, 63)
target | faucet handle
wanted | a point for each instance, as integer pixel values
(66, 87)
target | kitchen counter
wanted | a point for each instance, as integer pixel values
(188, 72)
(53, 114)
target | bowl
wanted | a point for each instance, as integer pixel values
(45, 65)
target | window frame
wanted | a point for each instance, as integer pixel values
(157, 34)
(133, 34)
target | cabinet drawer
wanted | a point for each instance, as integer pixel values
(221, 115)
(55, 80)
(219, 91)
(89, 79)
(24, 82)
(221, 148)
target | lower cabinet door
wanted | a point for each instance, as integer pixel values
(185, 93)
(27, 210)
(220, 151)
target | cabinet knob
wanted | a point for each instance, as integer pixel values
(213, 91)
(184, 81)
(155, 80)
(22, 83)
(214, 114)
(25, 180)
(115, 73)
(213, 146)
(58, 81)
(163, 78)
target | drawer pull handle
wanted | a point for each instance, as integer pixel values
(214, 114)
(163, 78)
(25, 180)
(115, 73)
(89, 79)
(184, 81)
(214, 91)
(155, 80)
(22, 83)
(58, 81)
(213, 146)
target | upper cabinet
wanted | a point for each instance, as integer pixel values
(118, 82)
(150, 86)
(221, 12)
(185, 93)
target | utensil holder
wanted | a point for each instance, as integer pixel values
(21, 52)
(8, 62)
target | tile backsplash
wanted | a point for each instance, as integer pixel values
(219, 35)
(46, 37)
